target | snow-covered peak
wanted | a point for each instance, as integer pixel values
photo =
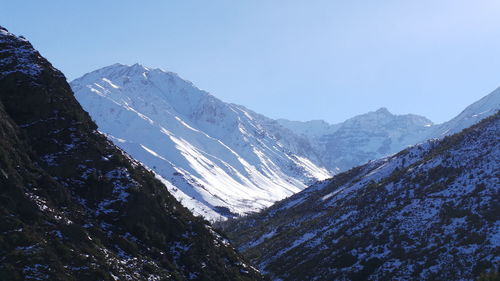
(122, 73)
(153, 87)
(219, 158)
(383, 118)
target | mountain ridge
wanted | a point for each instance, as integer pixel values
(472, 114)
(407, 129)
(364, 137)
(225, 160)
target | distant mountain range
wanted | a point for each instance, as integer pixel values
(429, 212)
(75, 207)
(362, 138)
(377, 134)
(223, 160)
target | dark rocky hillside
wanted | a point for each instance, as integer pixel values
(73, 206)
(430, 212)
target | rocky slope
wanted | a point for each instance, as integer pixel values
(75, 207)
(430, 212)
(220, 159)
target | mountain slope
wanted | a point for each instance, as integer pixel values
(361, 138)
(220, 159)
(73, 206)
(430, 212)
(474, 113)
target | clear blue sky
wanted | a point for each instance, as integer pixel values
(299, 60)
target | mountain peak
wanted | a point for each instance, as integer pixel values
(123, 70)
(135, 68)
(139, 67)
(4, 32)
(18, 56)
(190, 136)
(383, 110)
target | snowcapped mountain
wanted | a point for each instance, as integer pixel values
(430, 212)
(361, 138)
(219, 159)
(222, 159)
(74, 206)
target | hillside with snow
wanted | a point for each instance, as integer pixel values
(430, 212)
(218, 159)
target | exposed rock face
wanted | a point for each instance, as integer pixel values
(75, 207)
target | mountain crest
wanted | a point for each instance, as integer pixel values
(383, 110)
(19, 56)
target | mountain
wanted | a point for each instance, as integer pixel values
(430, 212)
(474, 113)
(75, 207)
(223, 160)
(220, 159)
(378, 134)
(362, 138)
